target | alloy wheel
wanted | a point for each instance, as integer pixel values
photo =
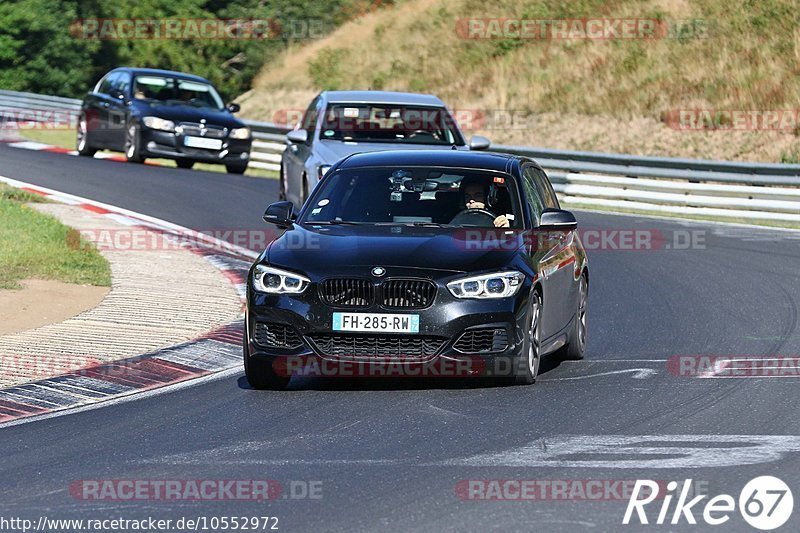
(533, 334)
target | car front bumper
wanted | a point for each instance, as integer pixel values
(449, 322)
(170, 145)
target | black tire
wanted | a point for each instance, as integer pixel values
(184, 163)
(576, 348)
(305, 189)
(236, 168)
(260, 374)
(133, 149)
(525, 367)
(82, 140)
(282, 184)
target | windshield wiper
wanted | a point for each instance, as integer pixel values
(334, 223)
(421, 224)
(430, 224)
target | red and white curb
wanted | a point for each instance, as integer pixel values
(42, 147)
(216, 352)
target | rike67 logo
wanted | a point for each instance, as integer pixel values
(765, 503)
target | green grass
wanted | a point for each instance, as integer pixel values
(57, 137)
(12, 194)
(35, 245)
(709, 218)
(66, 139)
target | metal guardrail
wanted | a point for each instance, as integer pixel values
(736, 190)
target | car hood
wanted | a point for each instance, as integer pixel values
(321, 251)
(332, 151)
(184, 113)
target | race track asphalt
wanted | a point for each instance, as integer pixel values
(394, 454)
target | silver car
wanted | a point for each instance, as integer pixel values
(339, 123)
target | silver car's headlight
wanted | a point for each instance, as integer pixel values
(499, 285)
(240, 133)
(277, 281)
(158, 123)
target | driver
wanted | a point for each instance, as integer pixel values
(474, 194)
(186, 95)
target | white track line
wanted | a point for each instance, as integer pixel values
(681, 220)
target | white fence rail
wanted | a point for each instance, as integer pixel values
(747, 191)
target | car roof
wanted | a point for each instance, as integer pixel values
(160, 72)
(494, 161)
(381, 97)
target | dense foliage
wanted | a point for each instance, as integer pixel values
(45, 46)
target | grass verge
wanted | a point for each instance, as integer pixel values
(35, 245)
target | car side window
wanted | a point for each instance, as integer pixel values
(123, 83)
(108, 83)
(543, 184)
(310, 119)
(532, 194)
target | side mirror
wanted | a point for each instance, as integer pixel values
(280, 214)
(297, 136)
(479, 142)
(233, 107)
(558, 219)
(116, 93)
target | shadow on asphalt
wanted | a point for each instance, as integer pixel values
(548, 364)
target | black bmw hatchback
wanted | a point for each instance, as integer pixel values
(159, 113)
(420, 263)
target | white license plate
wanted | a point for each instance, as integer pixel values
(384, 323)
(202, 142)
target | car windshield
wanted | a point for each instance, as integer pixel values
(414, 196)
(172, 91)
(389, 123)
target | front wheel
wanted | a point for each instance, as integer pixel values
(133, 150)
(525, 366)
(260, 373)
(82, 141)
(577, 340)
(261, 376)
(184, 163)
(532, 347)
(236, 168)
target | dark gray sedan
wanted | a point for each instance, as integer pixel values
(340, 123)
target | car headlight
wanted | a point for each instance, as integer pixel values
(240, 133)
(158, 123)
(323, 169)
(277, 281)
(499, 285)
